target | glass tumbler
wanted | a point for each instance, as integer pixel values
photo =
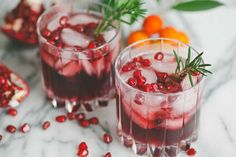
(163, 122)
(76, 63)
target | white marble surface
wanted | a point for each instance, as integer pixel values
(212, 31)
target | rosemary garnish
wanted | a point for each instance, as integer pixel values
(189, 67)
(116, 12)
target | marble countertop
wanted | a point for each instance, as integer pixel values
(212, 31)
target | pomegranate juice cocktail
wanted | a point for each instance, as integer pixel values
(159, 88)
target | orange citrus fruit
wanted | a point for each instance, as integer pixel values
(136, 36)
(152, 24)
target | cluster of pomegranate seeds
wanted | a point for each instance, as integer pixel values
(107, 138)
(12, 89)
(61, 118)
(46, 125)
(20, 23)
(12, 112)
(25, 128)
(166, 83)
(82, 150)
(54, 37)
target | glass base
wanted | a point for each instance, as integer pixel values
(156, 151)
(81, 106)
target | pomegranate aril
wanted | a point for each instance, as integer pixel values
(83, 153)
(160, 86)
(191, 152)
(25, 128)
(161, 75)
(141, 81)
(71, 116)
(56, 35)
(159, 56)
(94, 120)
(137, 74)
(127, 67)
(132, 81)
(84, 123)
(139, 99)
(146, 62)
(63, 20)
(107, 154)
(46, 125)
(46, 33)
(11, 129)
(82, 146)
(80, 116)
(92, 45)
(146, 88)
(12, 112)
(61, 119)
(154, 87)
(107, 138)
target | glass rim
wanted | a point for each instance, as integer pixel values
(40, 36)
(117, 73)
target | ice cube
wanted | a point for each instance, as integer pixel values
(54, 23)
(167, 67)
(88, 67)
(186, 84)
(82, 19)
(150, 75)
(73, 38)
(65, 57)
(109, 35)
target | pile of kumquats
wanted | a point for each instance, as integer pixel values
(153, 26)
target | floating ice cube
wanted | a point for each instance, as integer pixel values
(73, 38)
(150, 75)
(109, 35)
(88, 67)
(54, 23)
(65, 57)
(167, 67)
(186, 82)
(83, 19)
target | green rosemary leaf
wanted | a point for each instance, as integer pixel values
(189, 56)
(195, 59)
(205, 71)
(177, 61)
(204, 65)
(190, 78)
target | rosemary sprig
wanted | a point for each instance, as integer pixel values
(117, 10)
(189, 67)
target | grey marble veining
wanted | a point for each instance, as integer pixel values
(212, 31)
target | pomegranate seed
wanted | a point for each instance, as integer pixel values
(11, 129)
(107, 154)
(71, 116)
(137, 73)
(161, 75)
(79, 28)
(2, 80)
(12, 112)
(94, 120)
(0, 137)
(82, 146)
(146, 88)
(107, 138)
(159, 56)
(84, 123)
(61, 119)
(127, 67)
(160, 86)
(92, 45)
(46, 33)
(195, 73)
(46, 125)
(56, 35)
(191, 152)
(139, 99)
(146, 62)
(141, 81)
(83, 153)
(132, 81)
(63, 20)
(25, 128)
(80, 116)
(154, 87)
(137, 59)
(60, 45)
